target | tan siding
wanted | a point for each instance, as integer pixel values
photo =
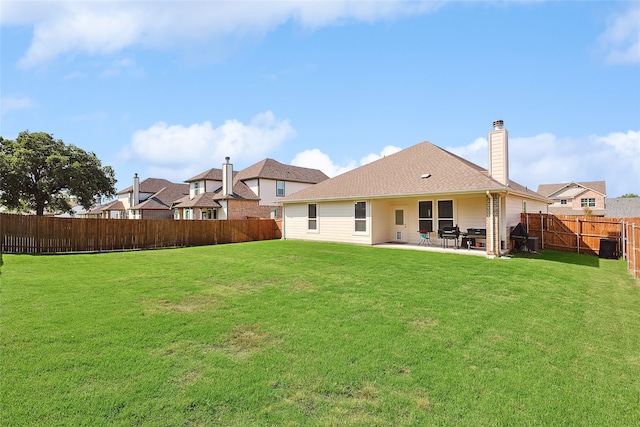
(380, 221)
(515, 207)
(335, 223)
(470, 211)
(268, 190)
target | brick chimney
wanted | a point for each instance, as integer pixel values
(499, 153)
(227, 178)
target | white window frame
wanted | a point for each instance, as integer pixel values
(446, 218)
(588, 202)
(360, 221)
(312, 219)
(280, 192)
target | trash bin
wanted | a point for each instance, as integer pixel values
(609, 249)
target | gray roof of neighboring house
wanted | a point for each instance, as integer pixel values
(548, 190)
(213, 174)
(568, 210)
(240, 191)
(114, 205)
(163, 198)
(400, 174)
(623, 207)
(203, 200)
(151, 185)
(272, 169)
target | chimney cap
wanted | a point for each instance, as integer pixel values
(227, 159)
(498, 124)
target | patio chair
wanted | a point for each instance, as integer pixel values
(425, 238)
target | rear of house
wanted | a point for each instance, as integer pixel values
(420, 189)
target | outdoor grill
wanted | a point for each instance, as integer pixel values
(520, 239)
(449, 233)
(469, 238)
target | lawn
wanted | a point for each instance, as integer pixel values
(295, 333)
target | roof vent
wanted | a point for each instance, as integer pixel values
(498, 124)
(425, 175)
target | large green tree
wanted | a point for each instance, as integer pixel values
(42, 174)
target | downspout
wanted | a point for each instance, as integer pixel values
(284, 218)
(491, 217)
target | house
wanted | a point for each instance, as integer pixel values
(576, 198)
(148, 199)
(251, 192)
(423, 187)
(111, 210)
(623, 207)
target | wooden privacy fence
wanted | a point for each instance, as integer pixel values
(27, 234)
(583, 235)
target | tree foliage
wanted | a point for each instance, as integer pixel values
(40, 173)
(629, 196)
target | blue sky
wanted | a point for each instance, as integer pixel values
(169, 89)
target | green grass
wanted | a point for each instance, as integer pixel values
(298, 333)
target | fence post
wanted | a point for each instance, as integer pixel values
(578, 235)
(542, 230)
(635, 261)
(623, 240)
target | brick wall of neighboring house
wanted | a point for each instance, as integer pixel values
(589, 194)
(157, 214)
(241, 209)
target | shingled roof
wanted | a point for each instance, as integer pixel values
(213, 174)
(548, 190)
(151, 185)
(164, 198)
(401, 174)
(203, 200)
(272, 169)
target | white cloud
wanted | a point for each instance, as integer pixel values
(620, 42)
(93, 27)
(182, 151)
(386, 151)
(11, 103)
(318, 160)
(547, 159)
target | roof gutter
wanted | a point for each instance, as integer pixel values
(500, 190)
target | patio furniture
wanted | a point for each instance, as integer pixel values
(449, 233)
(469, 238)
(425, 238)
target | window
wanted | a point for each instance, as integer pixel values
(588, 203)
(563, 201)
(280, 188)
(425, 216)
(196, 188)
(313, 216)
(187, 214)
(399, 216)
(209, 214)
(361, 216)
(445, 214)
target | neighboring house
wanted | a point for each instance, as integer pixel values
(423, 187)
(148, 199)
(113, 209)
(576, 198)
(251, 192)
(623, 207)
